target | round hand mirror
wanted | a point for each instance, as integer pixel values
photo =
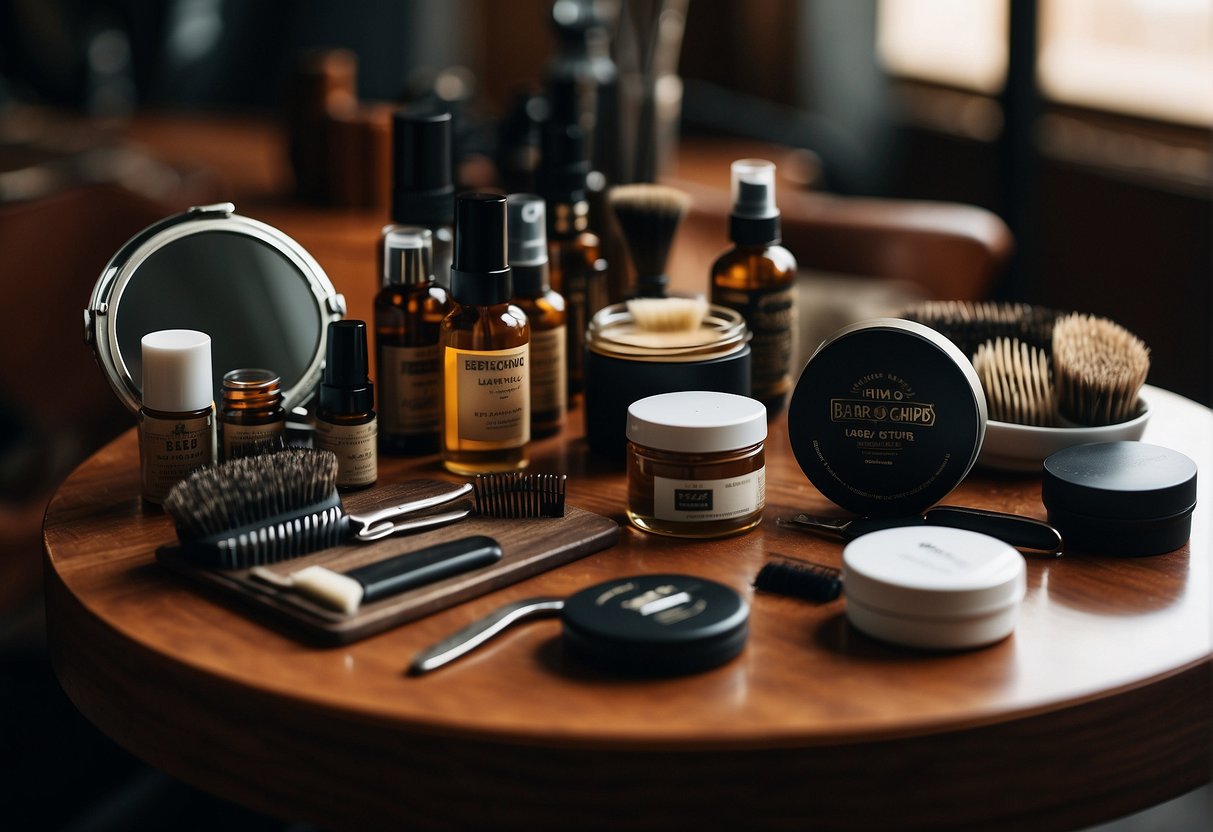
(259, 295)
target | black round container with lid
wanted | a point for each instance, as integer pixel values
(887, 417)
(1120, 498)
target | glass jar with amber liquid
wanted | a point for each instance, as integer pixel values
(252, 419)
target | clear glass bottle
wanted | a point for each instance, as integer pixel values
(578, 271)
(545, 311)
(757, 277)
(177, 416)
(408, 316)
(485, 348)
(252, 418)
(345, 415)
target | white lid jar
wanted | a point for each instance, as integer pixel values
(933, 587)
(696, 463)
(177, 371)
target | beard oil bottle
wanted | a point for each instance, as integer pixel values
(485, 348)
(757, 277)
(578, 271)
(345, 416)
(545, 311)
(408, 315)
(177, 416)
(423, 193)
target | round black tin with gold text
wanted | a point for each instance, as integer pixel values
(887, 417)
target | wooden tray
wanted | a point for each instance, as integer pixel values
(529, 546)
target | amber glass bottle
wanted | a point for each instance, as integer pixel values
(757, 277)
(578, 271)
(485, 339)
(408, 316)
(252, 420)
(545, 311)
(345, 418)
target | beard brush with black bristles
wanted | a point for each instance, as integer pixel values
(968, 324)
(649, 216)
(264, 509)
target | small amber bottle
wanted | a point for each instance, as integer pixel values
(408, 315)
(757, 277)
(485, 348)
(177, 416)
(578, 271)
(545, 310)
(252, 419)
(345, 416)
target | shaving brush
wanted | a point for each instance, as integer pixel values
(1015, 377)
(968, 324)
(1099, 368)
(648, 216)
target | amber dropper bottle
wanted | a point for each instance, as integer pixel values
(408, 315)
(177, 416)
(578, 271)
(345, 415)
(486, 339)
(545, 310)
(423, 193)
(757, 277)
(252, 419)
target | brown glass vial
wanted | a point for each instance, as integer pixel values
(577, 269)
(485, 340)
(408, 316)
(757, 277)
(545, 311)
(345, 414)
(252, 419)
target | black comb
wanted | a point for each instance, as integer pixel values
(799, 579)
(515, 495)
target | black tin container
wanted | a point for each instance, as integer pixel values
(624, 365)
(1120, 498)
(887, 417)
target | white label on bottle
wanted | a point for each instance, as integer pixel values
(549, 373)
(354, 445)
(410, 389)
(172, 449)
(492, 394)
(709, 500)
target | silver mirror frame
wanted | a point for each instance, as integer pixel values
(100, 332)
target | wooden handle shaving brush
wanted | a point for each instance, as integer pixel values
(649, 216)
(1099, 368)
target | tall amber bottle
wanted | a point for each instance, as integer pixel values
(757, 277)
(485, 339)
(408, 316)
(578, 271)
(545, 310)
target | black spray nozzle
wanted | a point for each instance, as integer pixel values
(346, 387)
(480, 271)
(422, 186)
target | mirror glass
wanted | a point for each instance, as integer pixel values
(250, 298)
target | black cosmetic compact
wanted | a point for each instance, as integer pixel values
(887, 417)
(642, 625)
(1120, 498)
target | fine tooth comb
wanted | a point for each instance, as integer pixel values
(264, 509)
(517, 495)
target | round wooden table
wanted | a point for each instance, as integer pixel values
(1098, 705)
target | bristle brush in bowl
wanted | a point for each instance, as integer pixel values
(1099, 368)
(649, 216)
(968, 324)
(1015, 378)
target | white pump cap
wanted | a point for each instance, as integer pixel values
(753, 186)
(177, 370)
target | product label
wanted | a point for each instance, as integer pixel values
(709, 500)
(245, 440)
(882, 416)
(492, 395)
(410, 390)
(770, 315)
(355, 447)
(171, 449)
(549, 376)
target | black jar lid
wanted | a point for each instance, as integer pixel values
(1119, 481)
(656, 625)
(887, 417)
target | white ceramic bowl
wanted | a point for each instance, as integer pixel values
(1009, 447)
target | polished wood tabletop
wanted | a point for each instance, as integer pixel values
(1097, 705)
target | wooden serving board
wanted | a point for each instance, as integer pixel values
(529, 546)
